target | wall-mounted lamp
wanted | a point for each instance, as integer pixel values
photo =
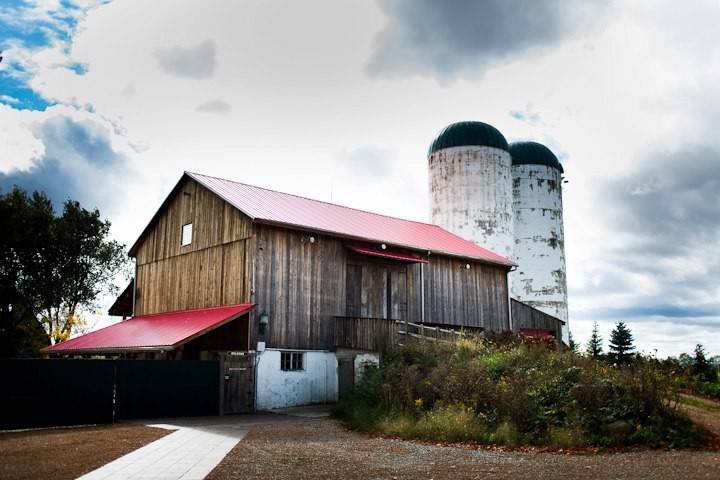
(312, 239)
(264, 322)
(467, 266)
(383, 246)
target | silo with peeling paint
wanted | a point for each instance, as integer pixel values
(471, 186)
(539, 280)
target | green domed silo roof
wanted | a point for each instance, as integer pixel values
(533, 153)
(463, 134)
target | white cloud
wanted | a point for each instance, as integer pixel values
(308, 120)
(189, 62)
(215, 106)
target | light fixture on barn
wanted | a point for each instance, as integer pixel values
(467, 266)
(263, 323)
(383, 246)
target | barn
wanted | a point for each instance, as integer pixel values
(294, 296)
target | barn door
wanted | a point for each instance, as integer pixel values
(346, 376)
(238, 382)
(397, 294)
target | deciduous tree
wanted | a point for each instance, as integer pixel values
(54, 267)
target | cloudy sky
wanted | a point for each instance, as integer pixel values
(108, 102)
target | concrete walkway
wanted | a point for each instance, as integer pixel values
(190, 453)
(198, 445)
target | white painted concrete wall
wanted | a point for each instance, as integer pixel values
(276, 388)
(362, 361)
(540, 278)
(471, 195)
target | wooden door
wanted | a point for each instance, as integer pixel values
(397, 296)
(373, 296)
(238, 382)
(346, 376)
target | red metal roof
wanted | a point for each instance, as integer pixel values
(402, 257)
(269, 206)
(160, 331)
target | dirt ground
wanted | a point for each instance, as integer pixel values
(65, 453)
(706, 417)
(324, 449)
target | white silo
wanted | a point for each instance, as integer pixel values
(539, 280)
(471, 186)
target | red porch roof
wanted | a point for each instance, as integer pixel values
(160, 331)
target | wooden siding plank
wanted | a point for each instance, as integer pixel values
(214, 222)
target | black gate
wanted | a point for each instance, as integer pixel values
(166, 388)
(41, 393)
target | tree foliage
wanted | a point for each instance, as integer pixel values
(53, 267)
(574, 347)
(621, 345)
(594, 347)
(701, 366)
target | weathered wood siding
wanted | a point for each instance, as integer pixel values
(304, 286)
(376, 289)
(214, 221)
(212, 270)
(300, 285)
(525, 316)
(455, 295)
(375, 334)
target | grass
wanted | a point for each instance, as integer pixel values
(706, 405)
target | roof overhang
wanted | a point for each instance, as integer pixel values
(423, 251)
(387, 254)
(156, 332)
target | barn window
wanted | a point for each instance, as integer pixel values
(186, 235)
(292, 361)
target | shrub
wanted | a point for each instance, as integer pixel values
(507, 391)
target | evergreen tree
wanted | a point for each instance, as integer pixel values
(621, 345)
(594, 346)
(700, 364)
(574, 347)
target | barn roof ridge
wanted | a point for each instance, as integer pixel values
(274, 207)
(193, 174)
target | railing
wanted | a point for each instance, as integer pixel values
(382, 334)
(410, 330)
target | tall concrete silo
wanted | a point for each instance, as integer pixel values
(471, 186)
(539, 279)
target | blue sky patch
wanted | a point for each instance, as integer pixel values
(19, 31)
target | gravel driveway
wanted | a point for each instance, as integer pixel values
(324, 449)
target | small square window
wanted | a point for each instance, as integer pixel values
(292, 361)
(186, 235)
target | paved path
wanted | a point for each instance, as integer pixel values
(198, 445)
(190, 453)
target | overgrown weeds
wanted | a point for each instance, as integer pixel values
(512, 393)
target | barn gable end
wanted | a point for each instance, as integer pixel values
(211, 270)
